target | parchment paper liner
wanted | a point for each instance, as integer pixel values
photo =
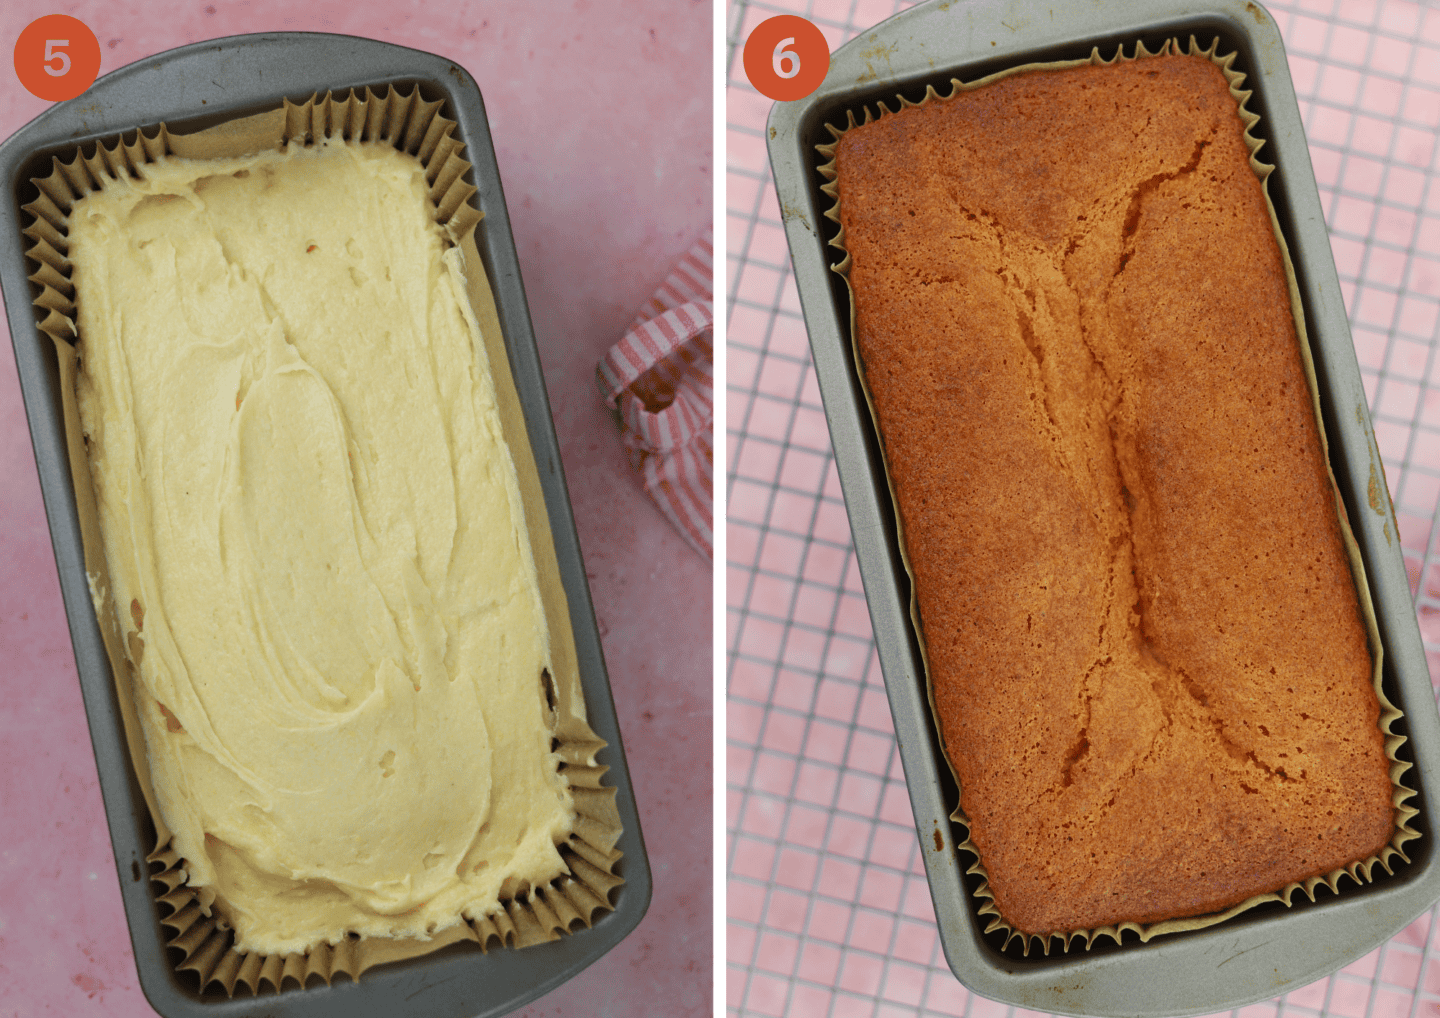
(1359, 871)
(204, 940)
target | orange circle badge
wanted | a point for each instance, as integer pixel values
(57, 57)
(786, 57)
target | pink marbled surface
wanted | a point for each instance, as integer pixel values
(601, 116)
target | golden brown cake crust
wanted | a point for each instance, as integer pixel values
(1147, 658)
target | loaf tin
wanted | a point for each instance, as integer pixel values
(190, 89)
(1265, 951)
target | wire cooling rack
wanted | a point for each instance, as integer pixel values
(828, 910)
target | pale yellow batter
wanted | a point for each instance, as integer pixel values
(316, 544)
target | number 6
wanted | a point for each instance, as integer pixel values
(52, 54)
(787, 57)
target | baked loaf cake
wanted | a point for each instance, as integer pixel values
(1144, 645)
(316, 544)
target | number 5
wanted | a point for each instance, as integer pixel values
(52, 54)
(787, 57)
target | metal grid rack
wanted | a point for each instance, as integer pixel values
(828, 910)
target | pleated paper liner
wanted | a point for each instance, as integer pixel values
(203, 942)
(1360, 871)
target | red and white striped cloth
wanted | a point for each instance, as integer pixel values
(660, 376)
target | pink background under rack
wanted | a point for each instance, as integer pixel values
(828, 910)
(601, 117)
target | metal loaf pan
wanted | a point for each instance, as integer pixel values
(1268, 950)
(192, 88)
